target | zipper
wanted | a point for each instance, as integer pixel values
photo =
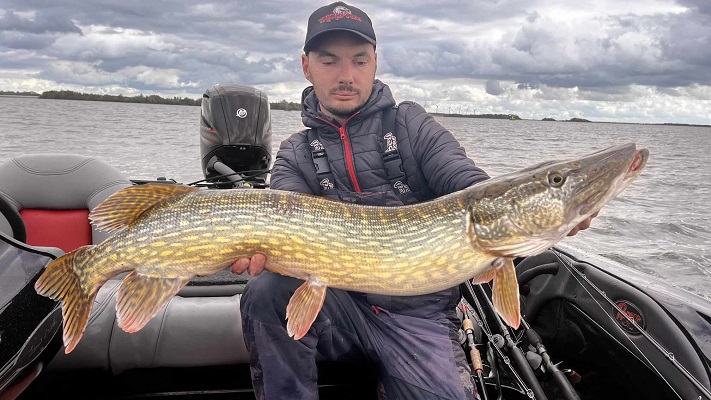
(347, 151)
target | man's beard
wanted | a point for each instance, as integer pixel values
(343, 112)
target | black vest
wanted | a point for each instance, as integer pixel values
(391, 161)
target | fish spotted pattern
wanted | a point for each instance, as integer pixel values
(167, 234)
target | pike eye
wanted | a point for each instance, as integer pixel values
(556, 179)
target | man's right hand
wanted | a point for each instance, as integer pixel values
(254, 265)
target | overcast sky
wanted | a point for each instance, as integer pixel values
(604, 60)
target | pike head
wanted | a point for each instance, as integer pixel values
(526, 212)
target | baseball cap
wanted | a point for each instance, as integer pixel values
(338, 16)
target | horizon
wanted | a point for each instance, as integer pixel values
(643, 61)
(8, 93)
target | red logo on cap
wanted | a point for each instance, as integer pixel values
(338, 13)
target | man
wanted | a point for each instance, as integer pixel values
(412, 340)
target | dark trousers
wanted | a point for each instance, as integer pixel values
(412, 341)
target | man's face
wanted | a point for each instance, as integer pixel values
(341, 67)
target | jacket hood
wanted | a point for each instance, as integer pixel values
(381, 98)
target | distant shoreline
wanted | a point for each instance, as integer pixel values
(19, 95)
(152, 99)
(291, 106)
(579, 120)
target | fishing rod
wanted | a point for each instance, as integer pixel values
(498, 344)
(563, 383)
(669, 355)
(474, 354)
(491, 349)
(495, 368)
(516, 354)
(534, 339)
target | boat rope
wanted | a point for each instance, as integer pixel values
(669, 355)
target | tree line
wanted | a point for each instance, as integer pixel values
(286, 106)
(152, 99)
(13, 93)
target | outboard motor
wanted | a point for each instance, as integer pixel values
(235, 136)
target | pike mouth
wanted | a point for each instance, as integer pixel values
(638, 162)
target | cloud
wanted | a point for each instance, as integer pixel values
(523, 56)
(697, 6)
(524, 41)
(111, 53)
(23, 41)
(39, 21)
(34, 31)
(494, 88)
(655, 49)
(139, 77)
(544, 92)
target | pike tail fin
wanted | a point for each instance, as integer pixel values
(59, 281)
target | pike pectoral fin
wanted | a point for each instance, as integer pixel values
(484, 277)
(140, 297)
(303, 307)
(505, 291)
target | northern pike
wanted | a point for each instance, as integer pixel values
(167, 234)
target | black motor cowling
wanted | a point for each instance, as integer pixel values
(235, 135)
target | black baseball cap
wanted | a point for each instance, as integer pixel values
(338, 16)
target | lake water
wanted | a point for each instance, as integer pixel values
(659, 225)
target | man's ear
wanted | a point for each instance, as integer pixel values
(376, 62)
(305, 67)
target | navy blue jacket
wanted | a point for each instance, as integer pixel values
(433, 160)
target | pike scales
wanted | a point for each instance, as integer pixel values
(345, 245)
(167, 234)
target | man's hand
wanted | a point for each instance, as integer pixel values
(583, 225)
(254, 265)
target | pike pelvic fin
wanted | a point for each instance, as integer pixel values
(140, 297)
(125, 206)
(303, 307)
(59, 281)
(505, 291)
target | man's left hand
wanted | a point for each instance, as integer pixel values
(583, 225)
(253, 265)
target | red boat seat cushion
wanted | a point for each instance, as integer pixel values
(66, 229)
